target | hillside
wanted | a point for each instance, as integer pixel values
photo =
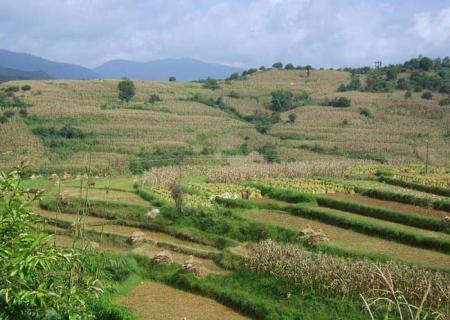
(393, 129)
(8, 74)
(57, 70)
(182, 69)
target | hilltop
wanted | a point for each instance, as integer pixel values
(384, 127)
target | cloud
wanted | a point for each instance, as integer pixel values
(240, 32)
(433, 28)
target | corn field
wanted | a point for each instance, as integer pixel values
(349, 277)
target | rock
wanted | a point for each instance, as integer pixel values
(136, 237)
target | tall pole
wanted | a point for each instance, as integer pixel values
(426, 160)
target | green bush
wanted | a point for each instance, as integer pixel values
(392, 196)
(282, 194)
(269, 153)
(154, 98)
(211, 84)
(445, 102)
(365, 112)
(427, 95)
(26, 87)
(282, 100)
(172, 79)
(341, 102)
(415, 186)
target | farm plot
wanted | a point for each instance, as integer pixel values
(156, 301)
(348, 239)
(100, 194)
(389, 204)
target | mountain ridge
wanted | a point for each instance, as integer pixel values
(183, 69)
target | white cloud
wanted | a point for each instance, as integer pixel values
(239, 32)
(434, 28)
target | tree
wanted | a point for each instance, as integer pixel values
(289, 66)
(308, 70)
(425, 63)
(282, 100)
(211, 84)
(391, 73)
(277, 65)
(233, 76)
(292, 117)
(126, 90)
(172, 79)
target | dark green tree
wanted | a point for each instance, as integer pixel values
(127, 90)
(277, 65)
(282, 100)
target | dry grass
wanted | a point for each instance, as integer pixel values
(156, 301)
(349, 277)
(121, 132)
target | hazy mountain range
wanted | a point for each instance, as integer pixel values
(15, 65)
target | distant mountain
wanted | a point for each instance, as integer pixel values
(8, 74)
(183, 69)
(57, 70)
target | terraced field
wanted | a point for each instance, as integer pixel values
(220, 236)
(348, 239)
(152, 300)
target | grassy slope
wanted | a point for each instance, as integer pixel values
(120, 133)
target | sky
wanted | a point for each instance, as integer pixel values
(244, 33)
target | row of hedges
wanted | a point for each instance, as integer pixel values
(371, 228)
(410, 219)
(415, 186)
(405, 198)
(282, 194)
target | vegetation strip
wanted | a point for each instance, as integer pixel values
(282, 194)
(410, 219)
(415, 186)
(405, 198)
(373, 228)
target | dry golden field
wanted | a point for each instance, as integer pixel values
(397, 132)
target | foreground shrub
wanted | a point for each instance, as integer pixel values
(348, 277)
(37, 279)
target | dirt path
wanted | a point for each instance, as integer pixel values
(155, 301)
(389, 204)
(353, 240)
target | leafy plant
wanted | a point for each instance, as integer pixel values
(37, 279)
